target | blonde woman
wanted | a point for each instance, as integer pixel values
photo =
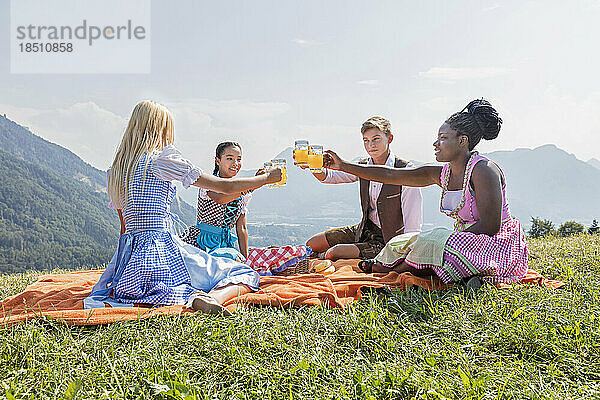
(152, 265)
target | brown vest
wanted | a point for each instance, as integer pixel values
(389, 206)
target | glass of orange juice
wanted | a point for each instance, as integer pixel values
(267, 166)
(315, 158)
(301, 152)
(281, 164)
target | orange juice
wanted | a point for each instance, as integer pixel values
(301, 156)
(283, 177)
(315, 161)
(279, 163)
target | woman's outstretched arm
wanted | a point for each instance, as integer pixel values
(226, 198)
(237, 185)
(170, 166)
(417, 177)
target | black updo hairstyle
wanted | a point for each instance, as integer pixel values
(220, 149)
(480, 120)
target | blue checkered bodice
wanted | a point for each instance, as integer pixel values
(149, 199)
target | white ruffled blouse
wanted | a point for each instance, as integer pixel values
(169, 165)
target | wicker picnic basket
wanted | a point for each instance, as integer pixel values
(301, 267)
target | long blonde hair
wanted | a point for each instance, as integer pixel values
(150, 128)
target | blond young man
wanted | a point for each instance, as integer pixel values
(387, 210)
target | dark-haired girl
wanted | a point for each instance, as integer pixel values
(487, 241)
(219, 213)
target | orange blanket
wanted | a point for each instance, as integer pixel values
(60, 296)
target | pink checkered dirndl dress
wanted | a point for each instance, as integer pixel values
(501, 258)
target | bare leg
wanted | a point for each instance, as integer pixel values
(342, 251)
(379, 267)
(211, 303)
(422, 273)
(318, 243)
(229, 292)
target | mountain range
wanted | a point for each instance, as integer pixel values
(594, 162)
(53, 205)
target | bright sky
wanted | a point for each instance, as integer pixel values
(265, 73)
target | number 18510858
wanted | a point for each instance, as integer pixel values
(46, 47)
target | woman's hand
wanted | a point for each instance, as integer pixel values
(332, 161)
(274, 175)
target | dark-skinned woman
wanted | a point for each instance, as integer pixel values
(487, 242)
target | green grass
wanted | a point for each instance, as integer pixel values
(524, 342)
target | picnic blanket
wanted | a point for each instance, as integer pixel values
(60, 296)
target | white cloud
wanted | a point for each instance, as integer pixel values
(460, 73)
(343, 139)
(369, 82)
(201, 124)
(306, 42)
(492, 8)
(231, 113)
(444, 104)
(94, 133)
(88, 130)
(592, 3)
(554, 117)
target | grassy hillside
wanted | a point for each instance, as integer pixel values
(47, 220)
(20, 142)
(53, 206)
(525, 342)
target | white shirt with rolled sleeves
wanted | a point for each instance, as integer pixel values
(412, 199)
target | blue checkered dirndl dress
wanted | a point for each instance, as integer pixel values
(152, 265)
